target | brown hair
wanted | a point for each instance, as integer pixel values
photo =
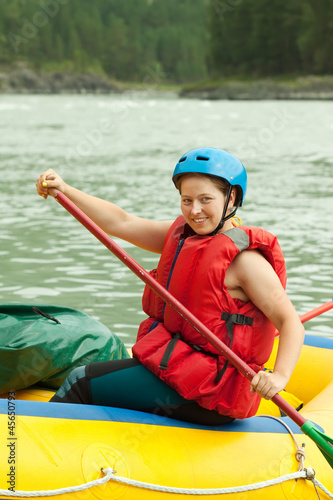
(219, 182)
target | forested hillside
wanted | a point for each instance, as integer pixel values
(125, 39)
(177, 41)
(275, 37)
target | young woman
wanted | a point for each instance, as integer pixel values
(231, 278)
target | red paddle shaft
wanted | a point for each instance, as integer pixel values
(317, 311)
(171, 301)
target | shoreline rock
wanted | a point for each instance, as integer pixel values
(302, 88)
(23, 80)
(26, 81)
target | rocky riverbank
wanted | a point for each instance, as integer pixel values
(23, 80)
(306, 88)
(26, 81)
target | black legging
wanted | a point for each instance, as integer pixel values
(126, 383)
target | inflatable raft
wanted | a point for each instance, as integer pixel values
(91, 452)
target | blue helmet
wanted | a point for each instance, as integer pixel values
(213, 161)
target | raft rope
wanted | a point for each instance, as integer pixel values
(300, 453)
(60, 491)
(109, 474)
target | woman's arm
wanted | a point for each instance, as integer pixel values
(262, 286)
(144, 233)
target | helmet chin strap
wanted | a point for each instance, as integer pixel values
(224, 218)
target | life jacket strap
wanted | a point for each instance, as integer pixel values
(168, 351)
(172, 344)
(230, 321)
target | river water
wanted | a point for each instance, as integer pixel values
(124, 148)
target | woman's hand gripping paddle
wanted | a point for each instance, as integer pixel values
(324, 442)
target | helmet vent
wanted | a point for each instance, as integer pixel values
(202, 158)
(182, 159)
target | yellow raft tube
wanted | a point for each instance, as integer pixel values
(62, 447)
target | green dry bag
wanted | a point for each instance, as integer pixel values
(41, 344)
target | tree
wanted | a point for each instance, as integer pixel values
(315, 40)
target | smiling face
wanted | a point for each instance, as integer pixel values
(202, 203)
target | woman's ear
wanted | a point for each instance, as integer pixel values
(232, 198)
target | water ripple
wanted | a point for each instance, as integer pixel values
(124, 148)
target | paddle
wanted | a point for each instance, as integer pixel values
(324, 442)
(317, 311)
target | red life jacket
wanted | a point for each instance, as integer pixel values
(193, 269)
